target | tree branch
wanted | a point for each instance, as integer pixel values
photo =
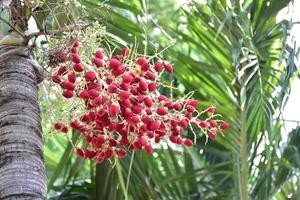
(56, 32)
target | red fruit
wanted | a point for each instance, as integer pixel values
(72, 77)
(212, 135)
(98, 62)
(188, 142)
(93, 93)
(123, 95)
(78, 67)
(127, 79)
(62, 70)
(64, 129)
(177, 106)
(154, 125)
(134, 119)
(203, 124)
(189, 115)
(163, 98)
(125, 52)
(210, 110)
(149, 75)
(168, 68)
(113, 143)
(142, 141)
(190, 108)
(161, 111)
(194, 103)
(74, 124)
(56, 79)
(212, 123)
(118, 71)
(121, 153)
(143, 86)
(67, 85)
(84, 94)
(146, 119)
(68, 94)
(152, 86)
(58, 126)
(113, 110)
(114, 63)
(145, 67)
(158, 66)
(79, 152)
(118, 57)
(99, 54)
(137, 109)
(112, 88)
(148, 102)
(76, 58)
(90, 75)
(75, 43)
(179, 140)
(173, 138)
(224, 126)
(183, 123)
(148, 149)
(141, 61)
(73, 50)
(148, 111)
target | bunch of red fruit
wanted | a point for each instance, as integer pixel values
(123, 109)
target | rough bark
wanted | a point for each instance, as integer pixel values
(22, 170)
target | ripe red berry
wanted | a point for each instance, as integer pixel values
(93, 93)
(58, 126)
(212, 123)
(179, 140)
(79, 152)
(118, 71)
(67, 85)
(224, 126)
(183, 123)
(210, 110)
(113, 110)
(84, 94)
(137, 109)
(168, 68)
(121, 153)
(154, 125)
(194, 103)
(145, 67)
(152, 86)
(148, 149)
(64, 129)
(114, 63)
(212, 135)
(62, 70)
(158, 66)
(123, 95)
(125, 52)
(203, 124)
(190, 108)
(188, 142)
(68, 94)
(134, 119)
(56, 79)
(78, 67)
(127, 79)
(99, 54)
(73, 50)
(112, 88)
(76, 43)
(177, 106)
(149, 75)
(72, 77)
(98, 62)
(76, 58)
(141, 61)
(143, 86)
(90, 75)
(189, 115)
(161, 111)
(148, 102)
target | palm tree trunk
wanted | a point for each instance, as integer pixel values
(22, 170)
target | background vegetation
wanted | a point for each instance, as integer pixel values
(235, 55)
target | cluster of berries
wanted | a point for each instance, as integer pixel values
(123, 108)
